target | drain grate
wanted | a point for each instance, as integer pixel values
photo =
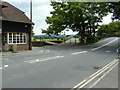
(96, 67)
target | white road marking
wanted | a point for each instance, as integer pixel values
(42, 51)
(7, 59)
(103, 76)
(42, 60)
(79, 52)
(48, 50)
(0, 67)
(5, 65)
(105, 40)
(104, 44)
(96, 74)
(107, 51)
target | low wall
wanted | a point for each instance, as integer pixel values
(38, 43)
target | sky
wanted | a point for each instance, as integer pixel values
(41, 9)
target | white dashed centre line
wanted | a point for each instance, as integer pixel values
(79, 52)
(107, 51)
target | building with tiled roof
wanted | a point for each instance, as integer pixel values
(16, 28)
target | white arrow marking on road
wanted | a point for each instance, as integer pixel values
(42, 60)
(4, 66)
(104, 44)
(79, 52)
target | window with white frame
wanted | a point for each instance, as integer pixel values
(15, 38)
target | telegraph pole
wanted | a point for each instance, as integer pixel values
(30, 36)
(31, 10)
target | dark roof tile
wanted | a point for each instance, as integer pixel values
(11, 13)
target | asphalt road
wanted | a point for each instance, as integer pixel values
(61, 66)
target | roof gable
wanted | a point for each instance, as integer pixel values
(11, 13)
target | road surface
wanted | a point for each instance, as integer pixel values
(61, 66)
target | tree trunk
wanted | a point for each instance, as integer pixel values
(82, 34)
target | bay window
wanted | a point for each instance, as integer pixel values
(15, 38)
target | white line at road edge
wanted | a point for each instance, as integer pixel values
(103, 76)
(104, 44)
(79, 52)
(42, 60)
(105, 39)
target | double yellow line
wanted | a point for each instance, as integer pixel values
(93, 76)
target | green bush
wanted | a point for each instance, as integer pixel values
(117, 33)
(62, 38)
(76, 36)
(45, 37)
(92, 39)
(51, 37)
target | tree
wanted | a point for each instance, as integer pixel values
(103, 29)
(78, 16)
(48, 32)
(114, 7)
(114, 27)
(33, 33)
(111, 28)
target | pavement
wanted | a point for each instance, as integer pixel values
(21, 52)
(60, 66)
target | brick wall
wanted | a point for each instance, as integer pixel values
(24, 46)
